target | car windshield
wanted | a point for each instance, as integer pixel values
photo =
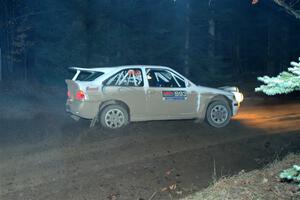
(164, 78)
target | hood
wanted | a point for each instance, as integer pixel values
(222, 91)
(229, 88)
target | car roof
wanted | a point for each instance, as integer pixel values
(110, 69)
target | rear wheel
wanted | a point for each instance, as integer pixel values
(218, 114)
(114, 117)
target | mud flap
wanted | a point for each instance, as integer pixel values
(94, 121)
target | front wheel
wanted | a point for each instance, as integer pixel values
(218, 114)
(114, 117)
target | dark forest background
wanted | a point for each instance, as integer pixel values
(210, 41)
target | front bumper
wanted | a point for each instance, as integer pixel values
(235, 108)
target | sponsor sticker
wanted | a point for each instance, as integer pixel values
(174, 95)
(92, 89)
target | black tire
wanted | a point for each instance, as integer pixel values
(218, 114)
(114, 117)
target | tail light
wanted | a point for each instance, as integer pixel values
(80, 95)
(69, 94)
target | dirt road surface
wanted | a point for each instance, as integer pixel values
(46, 155)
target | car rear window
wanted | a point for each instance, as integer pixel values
(127, 77)
(88, 76)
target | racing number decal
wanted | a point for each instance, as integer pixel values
(174, 95)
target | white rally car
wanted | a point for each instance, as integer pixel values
(115, 96)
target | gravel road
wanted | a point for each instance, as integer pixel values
(46, 155)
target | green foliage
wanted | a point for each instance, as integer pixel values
(285, 82)
(291, 174)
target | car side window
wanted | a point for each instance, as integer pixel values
(164, 78)
(126, 77)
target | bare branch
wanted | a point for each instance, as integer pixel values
(289, 8)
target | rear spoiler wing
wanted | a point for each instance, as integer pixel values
(77, 72)
(80, 69)
(83, 69)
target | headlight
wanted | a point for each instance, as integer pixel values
(239, 97)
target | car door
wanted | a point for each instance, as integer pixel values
(168, 97)
(127, 86)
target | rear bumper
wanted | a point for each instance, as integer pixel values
(83, 109)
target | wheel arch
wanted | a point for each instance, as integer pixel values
(114, 102)
(222, 98)
(218, 97)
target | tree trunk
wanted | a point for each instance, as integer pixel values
(4, 43)
(11, 39)
(238, 55)
(211, 45)
(187, 41)
(269, 47)
(212, 34)
(0, 65)
(25, 67)
(283, 62)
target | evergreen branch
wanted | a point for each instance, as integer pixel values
(285, 82)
